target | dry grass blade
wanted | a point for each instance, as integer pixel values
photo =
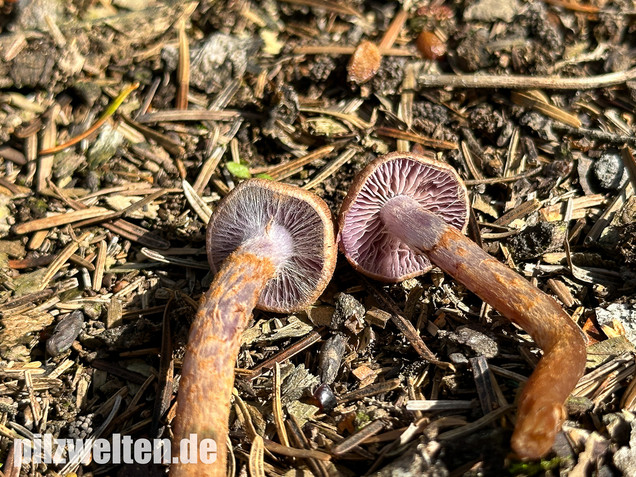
(354, 120)
(330, 168)
(603, 221)
(281, 171)
(536, 101)
(337, 50)
(196, 202)
(183, 69)
(500, 180)
(391, 33)
(100, 263)
(60, 219)
(470, 162)
(277, 407)
(126, 211)
(158, 257)
(511, 165)
(520, 212)
(175, 115)
(256, 460)
(562, 291)
(110, 110)
(45, 163)
(438, 405)
(136, 234)
(61, 259)
(277, 448)
(250, 430)
(405, 112)
(164, 141)
(208, 168)
(409, 136)
(487, 389)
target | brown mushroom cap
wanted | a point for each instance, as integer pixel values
(303, 249)
(363, 238)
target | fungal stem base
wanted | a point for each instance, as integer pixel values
(207, 374)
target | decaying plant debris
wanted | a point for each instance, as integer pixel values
(150, 111)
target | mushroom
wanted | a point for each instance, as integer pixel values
(272, 247)
(404, 210)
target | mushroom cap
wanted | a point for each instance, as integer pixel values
(301, 216)
(362, 236)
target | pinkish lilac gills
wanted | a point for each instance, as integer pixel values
(287, 229)
(363, 237)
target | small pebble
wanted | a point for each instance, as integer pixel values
(347, 309)
(610, 171)
(65, 333)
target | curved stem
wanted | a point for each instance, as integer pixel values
(207, 374)
(540, 408)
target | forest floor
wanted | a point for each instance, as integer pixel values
(124, 122)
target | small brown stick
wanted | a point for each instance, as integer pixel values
(408, 330)
(371, 390)
(358, 438)
(336, 50)
(606, 136)
(288, 353)
(525, 82)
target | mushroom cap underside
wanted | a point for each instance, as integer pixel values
(257, 205)
(363, 238)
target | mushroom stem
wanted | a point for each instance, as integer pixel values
(540, 407)
(207, 374)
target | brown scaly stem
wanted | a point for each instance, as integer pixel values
(540, 408)
(207, 374)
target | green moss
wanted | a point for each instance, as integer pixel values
(535, 467)
(362, 419)
(28, 282)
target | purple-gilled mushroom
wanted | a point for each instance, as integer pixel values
(404, 212)
(272, 247)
